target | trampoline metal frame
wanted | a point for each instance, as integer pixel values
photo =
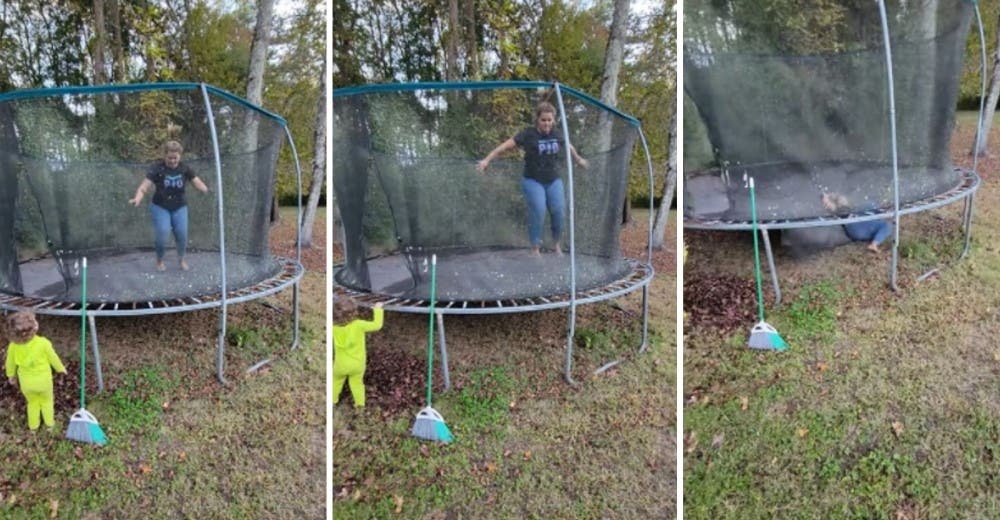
(291, 271)
(640, 277)
(966, 189)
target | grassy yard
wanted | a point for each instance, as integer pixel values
(886, 404)
(182, 445)
(527, 444)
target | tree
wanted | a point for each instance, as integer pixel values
(258, 51)
(660, 224)
(613, 56)
(991, 101)
(100, 42)
(318, 167)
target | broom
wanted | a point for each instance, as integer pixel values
(83, 426)
(762, 336)
(429, 425)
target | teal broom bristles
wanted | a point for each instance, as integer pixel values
(429, 425)
(83, 426)
(762, 336)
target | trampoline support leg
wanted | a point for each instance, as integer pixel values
(445, 373)
(295, 318)
(645, 319)
(97, 353)
(221, 352)
(967, 224)
(770, 265)
(570, 336)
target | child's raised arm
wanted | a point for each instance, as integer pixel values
(377, 318)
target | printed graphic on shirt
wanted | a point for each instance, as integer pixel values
(173, 181)
(548, 146)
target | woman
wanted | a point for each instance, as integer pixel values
(541, 184)
(169, 207)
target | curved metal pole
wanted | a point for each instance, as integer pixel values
(298, 239)
(221, 347)
(572, 242)
(895, 159)
(649, 243)
(967, 221)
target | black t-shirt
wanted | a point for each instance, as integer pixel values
(169, 184)
(542, 153)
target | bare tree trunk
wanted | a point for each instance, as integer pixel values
(451, 49)
(615, 53)
(991, 102)
(101, 36)
(318, 167)
(119, 67)
(471, 42)
(660, 223)
(258, 51)
(613, 56)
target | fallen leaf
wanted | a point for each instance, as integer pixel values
(357, 495)
(802, 432)
(145, 469)
(744, 402)
(53, 508)
(897, 428)
(821, 366)
(399, 503)
(717, 440)
(690, 442)
(490, 467)
(527, 455)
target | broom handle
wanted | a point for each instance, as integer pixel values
(83, 336)
(756, 252)
(430, 334)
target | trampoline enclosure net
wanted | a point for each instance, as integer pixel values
(798, 99)
(405, 179)
(69, 163)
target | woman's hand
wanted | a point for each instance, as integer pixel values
(583, 163)
(482, 165)
(135, 201)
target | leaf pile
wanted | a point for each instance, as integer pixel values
(395, 381)
(721, 301)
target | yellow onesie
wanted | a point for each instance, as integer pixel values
(349, 356)
(32, 364)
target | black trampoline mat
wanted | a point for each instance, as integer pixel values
(131, 276)
(793, 191)
(491, 275)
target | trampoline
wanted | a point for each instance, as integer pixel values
(407, 188)
(70, 159)
(863, 107)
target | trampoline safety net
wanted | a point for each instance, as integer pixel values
(798, 99)
(70, 160)
(406, 183)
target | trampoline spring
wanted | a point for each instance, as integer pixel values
(499, 304)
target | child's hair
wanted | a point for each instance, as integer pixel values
(344, 309)
(544, 107)
(172, 146)
(22, 326)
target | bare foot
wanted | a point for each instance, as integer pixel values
(873, 247)
(558, 249)
(184, 265)
(160, 266)
(535, 251)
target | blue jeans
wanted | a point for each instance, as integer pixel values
(869, 231)
(164, 221)
(539, 197)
